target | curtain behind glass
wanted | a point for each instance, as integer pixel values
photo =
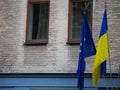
(76, 18)
(38, 28)
(43, 20)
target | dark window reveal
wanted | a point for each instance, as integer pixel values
(75, 19)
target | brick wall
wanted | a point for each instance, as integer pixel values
(56, 56)
(12, 33)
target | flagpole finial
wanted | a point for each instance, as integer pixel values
(105, 4)
(84, 12)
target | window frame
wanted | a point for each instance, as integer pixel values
(76, 41)
(33, 42)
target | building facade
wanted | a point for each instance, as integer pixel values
(57, 54)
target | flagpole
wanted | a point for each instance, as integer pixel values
(110, 65)
(105, 5)
(118, 73)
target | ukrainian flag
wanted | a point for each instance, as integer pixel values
(102, 51)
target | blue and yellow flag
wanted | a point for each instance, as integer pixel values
(87, 48)
(102, 51)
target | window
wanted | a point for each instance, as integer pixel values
(76, 8)
(37, 22)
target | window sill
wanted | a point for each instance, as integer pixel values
(73, 43)
(35, 43)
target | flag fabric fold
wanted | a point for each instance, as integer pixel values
(102, 53)
(87, 48)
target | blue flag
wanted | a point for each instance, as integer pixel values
(102, 54)
(87, 48)
(104, 28)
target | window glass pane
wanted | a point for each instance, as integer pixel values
(38, 27)
(76, 18)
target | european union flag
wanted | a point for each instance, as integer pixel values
(87, 48)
